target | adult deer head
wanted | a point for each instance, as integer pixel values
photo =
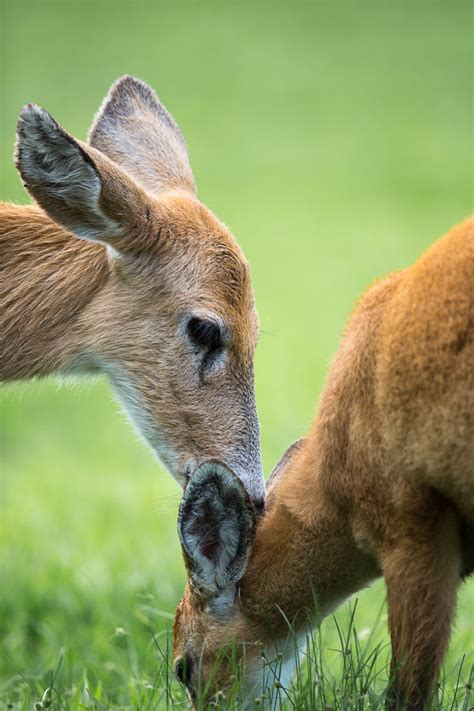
(173, 323)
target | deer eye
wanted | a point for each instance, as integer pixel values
(205, 334)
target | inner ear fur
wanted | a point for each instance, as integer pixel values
(216, 526)
(134, 129)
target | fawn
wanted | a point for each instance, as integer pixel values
(383, 484)
(120, 269)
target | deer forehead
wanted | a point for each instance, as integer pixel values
(184, 244)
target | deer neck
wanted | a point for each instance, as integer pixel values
(299, 571)
(48, 278)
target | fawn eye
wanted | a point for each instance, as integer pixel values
(182, 670)
(206, 334)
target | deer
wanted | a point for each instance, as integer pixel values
(118, 268)
(382, 485)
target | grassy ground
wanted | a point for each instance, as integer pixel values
(334, 139)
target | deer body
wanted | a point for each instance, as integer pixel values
(382, 485)
(120, 269)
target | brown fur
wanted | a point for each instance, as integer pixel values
(382, 485)
(106, 273)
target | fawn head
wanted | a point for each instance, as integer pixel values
(222, 643)
(174, 324)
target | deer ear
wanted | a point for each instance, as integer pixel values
(134, 129)
(279, 471)
(77, 186)
(216, 526)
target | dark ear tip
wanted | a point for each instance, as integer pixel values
(30, 121)
(32, 109)
(28, 113)
(34, 117)
(215, 471)
(211, 473)
(128, 80)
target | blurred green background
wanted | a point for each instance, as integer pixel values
(335, 140)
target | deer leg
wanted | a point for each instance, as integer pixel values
(422, 569)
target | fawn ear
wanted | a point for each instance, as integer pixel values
(76, 185)
(216, 526)
(279, 471)
(134, 129)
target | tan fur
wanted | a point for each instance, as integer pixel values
(48, 278)
(382, 485)
(121, 303)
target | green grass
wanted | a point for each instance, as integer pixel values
(334, 140)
